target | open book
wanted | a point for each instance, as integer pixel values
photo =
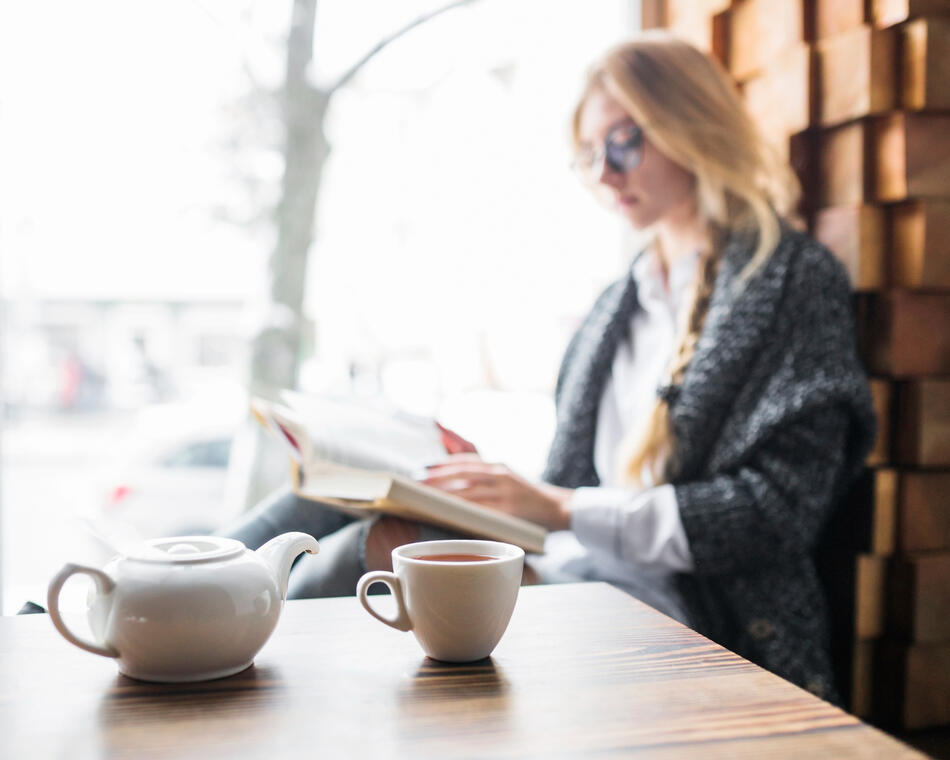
(362, 459)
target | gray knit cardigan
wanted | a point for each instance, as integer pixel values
(773, 419)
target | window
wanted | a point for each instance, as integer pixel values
(135, 190)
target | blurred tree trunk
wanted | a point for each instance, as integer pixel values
(277, 346)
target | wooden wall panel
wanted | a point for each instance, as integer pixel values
(922, 434)
(780, 99)
(913, 685)
(836, 16)
(923, 511)
(834, 165)
(870, 600)
(856, 74)
(918, 608)
(925, 64)
(759, 30)
(862, 677)
(653, 14)
(884, 516)
(912, 156)
(720, 38)
(886, 13)
(920, 244)
(882, 398)
(692, 20)
(901, 333)
(866, 521)
(858, 236)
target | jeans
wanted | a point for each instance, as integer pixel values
(342, 557)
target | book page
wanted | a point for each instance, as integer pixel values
(359, 435)
(283, 425)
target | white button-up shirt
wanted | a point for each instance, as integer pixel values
(633, 538)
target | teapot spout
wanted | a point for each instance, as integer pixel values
(279, 553)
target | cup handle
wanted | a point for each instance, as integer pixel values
(401, 622)
(104, 585)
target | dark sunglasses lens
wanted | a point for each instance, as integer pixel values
(623, 149)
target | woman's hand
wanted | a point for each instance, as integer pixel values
(497, 487)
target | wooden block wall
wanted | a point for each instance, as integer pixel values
(858, 234)
(922, 516)
(925, 64)
(885, 13)
(920, 238)
(856, 93)
(911, 156)
(911, 686)
(922, 430)
(856, 75)
(900, 333)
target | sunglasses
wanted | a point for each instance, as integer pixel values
(622, 151)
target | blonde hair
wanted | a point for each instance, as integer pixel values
(689, 108)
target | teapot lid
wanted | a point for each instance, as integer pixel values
(187, 549)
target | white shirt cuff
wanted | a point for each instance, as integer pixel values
(643, 527)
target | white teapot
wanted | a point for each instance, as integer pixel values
(185, 609)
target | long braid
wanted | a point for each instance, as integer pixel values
(656, 441)
(702, 294)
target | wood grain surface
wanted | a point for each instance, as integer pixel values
(898, 334)
(920, 244)
(889, 12)
(855, 74)
(780, 98)
(925, 64)
(922, 435)
(882, 394)
(911, 156)
(583, 670)
(833, 17)
(857, 235)
(923, 517)
(761, 29)
(919, 598)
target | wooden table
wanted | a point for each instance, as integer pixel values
(582, 670)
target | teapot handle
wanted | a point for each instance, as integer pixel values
(104, 585)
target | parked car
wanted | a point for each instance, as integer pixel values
(172, 478)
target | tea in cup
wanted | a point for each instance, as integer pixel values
(455, 596)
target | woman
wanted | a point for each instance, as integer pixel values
(711, 407)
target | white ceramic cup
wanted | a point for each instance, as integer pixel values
(457, 611)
